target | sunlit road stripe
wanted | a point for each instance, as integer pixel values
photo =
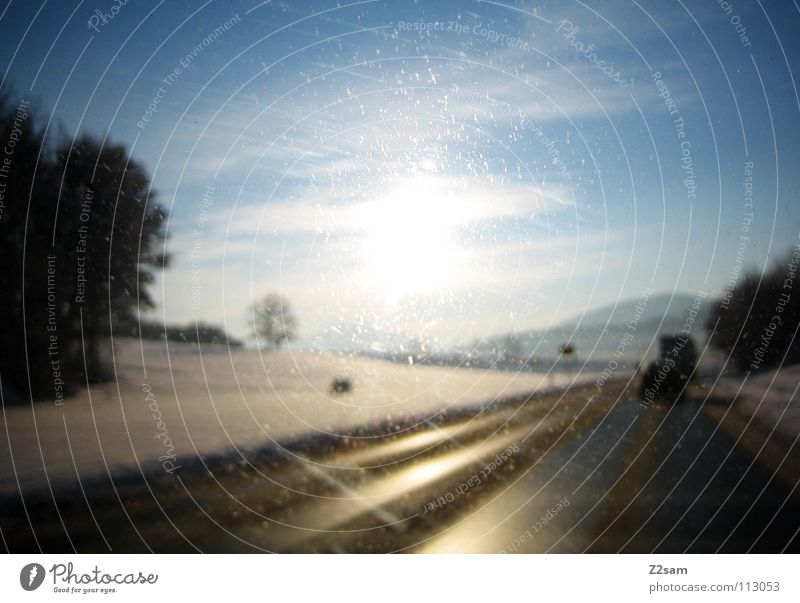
(353, 496)
(514, 504)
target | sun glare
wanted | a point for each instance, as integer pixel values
(409, 246)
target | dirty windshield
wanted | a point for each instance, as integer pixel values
(394, 276)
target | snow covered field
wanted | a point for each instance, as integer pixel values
(167, 408)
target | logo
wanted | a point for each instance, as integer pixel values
(31, 576)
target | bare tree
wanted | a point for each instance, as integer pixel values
(273, 320)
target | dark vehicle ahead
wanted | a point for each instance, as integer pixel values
(666, 378)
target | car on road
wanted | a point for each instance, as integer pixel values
(666, 378)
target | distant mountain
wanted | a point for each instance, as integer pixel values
(628, 327)
(654, 307)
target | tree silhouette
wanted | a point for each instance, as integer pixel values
(23, 276)
(273, 320)
(115, 240)
(82, 237)
(756, 325)
(193, 332)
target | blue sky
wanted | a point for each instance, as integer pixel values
(441, 169)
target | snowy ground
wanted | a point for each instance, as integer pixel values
(771, 398)
(167, 408)
(761, 412)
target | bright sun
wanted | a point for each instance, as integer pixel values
(409, 246)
